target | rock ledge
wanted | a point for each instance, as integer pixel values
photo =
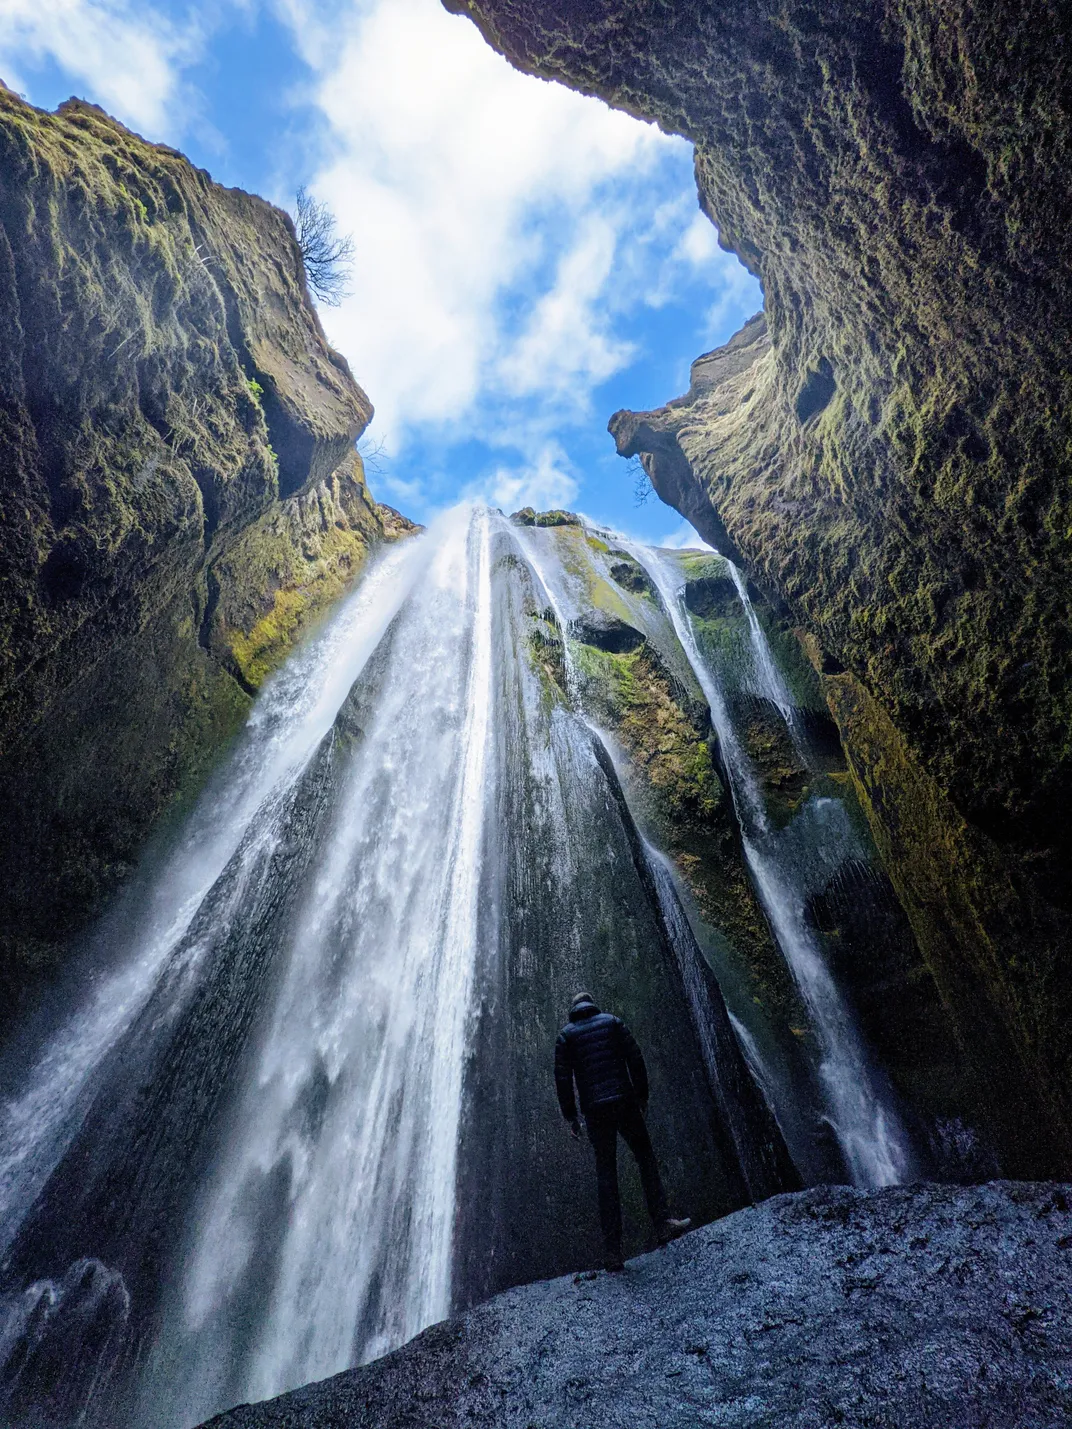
(916, 1306)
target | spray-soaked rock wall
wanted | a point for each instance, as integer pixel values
(890, 451)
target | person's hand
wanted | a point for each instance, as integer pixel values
(575, 1129)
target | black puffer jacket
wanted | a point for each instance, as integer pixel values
(601, 1053)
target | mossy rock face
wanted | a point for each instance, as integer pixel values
(180, 494)
(889, 447)
(288, 567)
(996, 950)
(675, 788)
(631, 575)
(527, 516)
(775, 757)
(712, 597)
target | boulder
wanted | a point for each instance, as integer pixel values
(911, 1307)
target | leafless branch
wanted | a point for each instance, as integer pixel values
(328, 257)
(643, 490)
(374, 454)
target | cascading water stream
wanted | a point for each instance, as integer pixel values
(754, 1058)
(266, 1098)
(868, 1129)
(554, 600)
(771, 683)
(746, 1108)
(370, 1022)
(291, 718)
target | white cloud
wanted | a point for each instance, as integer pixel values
(685, 538)
(545, 483)
(698, 245)
(736, 288)
(567, 347)
(399, 489)
(472, 191)
(128, 58)
(509, 233)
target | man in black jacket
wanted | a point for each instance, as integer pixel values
(600, 1053)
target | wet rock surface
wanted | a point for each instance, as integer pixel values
(915, 1306)
(607, 632)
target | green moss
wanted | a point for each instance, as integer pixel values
(680, 800)
(662, 741)
(290, 567)
(596, 591)
(548, 656)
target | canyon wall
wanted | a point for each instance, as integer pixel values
(888, 449)
(181, 495)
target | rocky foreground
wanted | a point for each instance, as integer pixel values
(916, 1306)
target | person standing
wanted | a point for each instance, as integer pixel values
(597, 1051)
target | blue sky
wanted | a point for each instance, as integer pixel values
(527, 260)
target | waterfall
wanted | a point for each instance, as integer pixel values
(277, 1067)
(771, 683)
(288, 723)
(356, 1091)
(872, 1140)
(300, 1106)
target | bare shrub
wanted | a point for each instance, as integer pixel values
(327, 255)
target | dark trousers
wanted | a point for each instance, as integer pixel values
(605, 1123)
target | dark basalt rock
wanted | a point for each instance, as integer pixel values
(770, 747)
(927, 1307)
(607, 632)
(60, 1342)
(713, 598)
(631, 575)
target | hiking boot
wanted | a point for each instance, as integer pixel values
(612, 1259)
(669, 1229)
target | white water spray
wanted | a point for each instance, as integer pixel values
(291, 717)
(371, 1019)
(769, 677)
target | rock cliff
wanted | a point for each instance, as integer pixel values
(912, 1307)
(888, 448)
(181, 494)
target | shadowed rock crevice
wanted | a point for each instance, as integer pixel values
(817, 392)
(607, 632)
